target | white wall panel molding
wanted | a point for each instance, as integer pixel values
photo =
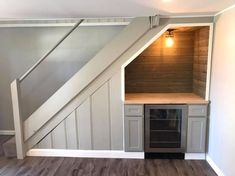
(46, 143)
(71, 131)
(100, 118)
(84, 125)
(74, 104)
(59, 137)
(116, 111)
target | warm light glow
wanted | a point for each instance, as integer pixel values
(169, 41)
(166, 1)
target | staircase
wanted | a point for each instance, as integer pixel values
(88, 108)
(7, 146)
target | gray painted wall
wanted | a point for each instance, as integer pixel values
(20, 48)
(222, 117)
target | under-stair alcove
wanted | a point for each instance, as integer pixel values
(180, 69)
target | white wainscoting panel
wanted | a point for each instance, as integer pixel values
(96, 124)
(46, 143)
(84, 125)
(100, 118)
(116, 112)
(71, 131)
(59, 137)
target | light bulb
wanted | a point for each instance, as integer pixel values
(169, 42)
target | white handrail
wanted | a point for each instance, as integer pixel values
(49, 52)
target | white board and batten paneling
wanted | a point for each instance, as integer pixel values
(71, 130)
(116, 112)
(46, 142)
(59, 137)
(100, 118)
(96, 124)
(84, 125)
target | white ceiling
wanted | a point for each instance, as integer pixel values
(44, 9)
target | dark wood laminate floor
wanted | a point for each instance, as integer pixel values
(51, 166)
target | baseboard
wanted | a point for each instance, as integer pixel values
(85, 153)
(195, 156)
(214, 166)
(7, 132)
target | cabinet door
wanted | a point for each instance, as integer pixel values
(134, 134)
(196, 135)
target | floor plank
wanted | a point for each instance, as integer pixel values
(56, 166)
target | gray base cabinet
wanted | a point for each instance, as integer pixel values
(134, 128)
(196, 132)
(196, 135)
(134, 134)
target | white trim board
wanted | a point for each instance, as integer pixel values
(7, 132)
(214, 166)
(63, 24)
(209, 62)
(85, 153)
(187, 16)
(195, 156)
(66, 22)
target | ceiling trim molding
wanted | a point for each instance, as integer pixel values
(186, 16)
(64, 22)
(226, 9)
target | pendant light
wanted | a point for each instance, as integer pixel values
(169, 38)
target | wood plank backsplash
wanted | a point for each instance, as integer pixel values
(161, 69)
(200, 61)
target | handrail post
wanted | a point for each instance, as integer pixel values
(18, 122)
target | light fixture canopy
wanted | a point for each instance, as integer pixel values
(169, 38)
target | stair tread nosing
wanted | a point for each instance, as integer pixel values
(9, 147)
(3, 139)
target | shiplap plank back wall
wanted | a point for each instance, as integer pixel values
(97, 124)
(162, 69)
(200, 61)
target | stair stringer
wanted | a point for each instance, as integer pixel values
(118, 65)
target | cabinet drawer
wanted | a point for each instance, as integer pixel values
(197, 110)
(134, 110)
